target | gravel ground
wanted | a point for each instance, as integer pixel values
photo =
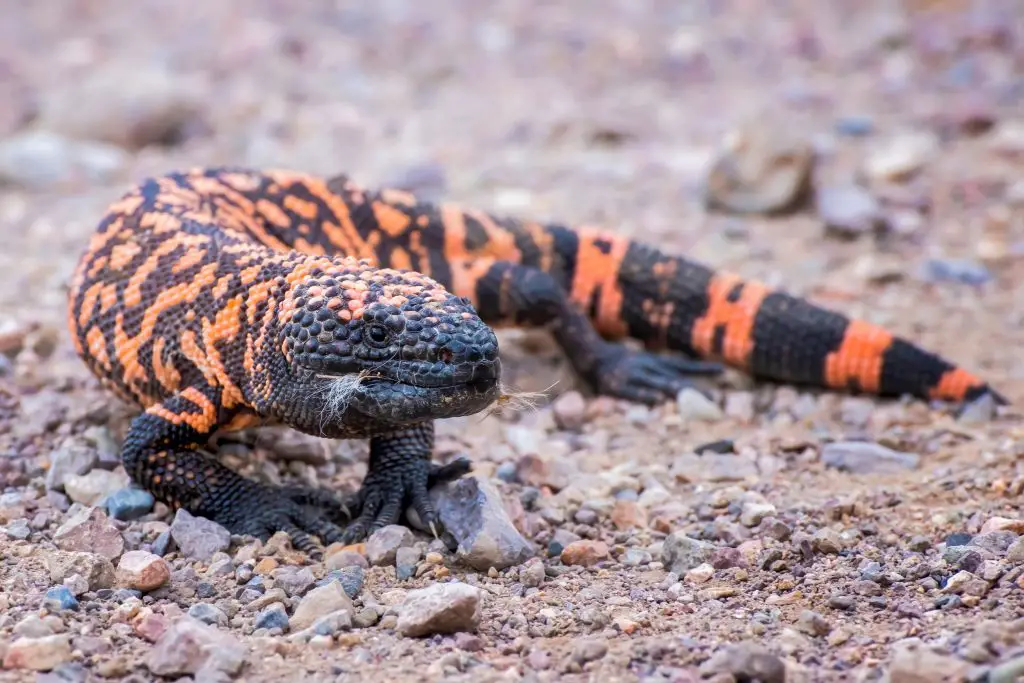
(862, 155)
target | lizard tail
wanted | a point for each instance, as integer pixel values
(631, 289)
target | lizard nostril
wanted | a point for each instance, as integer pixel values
(445, 355)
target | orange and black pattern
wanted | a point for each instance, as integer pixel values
(223, 298)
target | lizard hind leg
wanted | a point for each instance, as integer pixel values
(162, 454)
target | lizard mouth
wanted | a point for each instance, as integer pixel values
(481, 377)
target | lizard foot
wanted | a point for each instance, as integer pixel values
(303, 513)
(388, 490)
(646, 377)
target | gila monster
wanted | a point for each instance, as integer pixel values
(224, 298)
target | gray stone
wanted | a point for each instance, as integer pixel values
(861, 457)
(197, 537)
(681, 553)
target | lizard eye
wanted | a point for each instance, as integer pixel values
(377, 335)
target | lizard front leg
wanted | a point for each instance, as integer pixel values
(508, 293)
(400, 474)
(162, 454)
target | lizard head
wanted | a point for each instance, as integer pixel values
(388, 346)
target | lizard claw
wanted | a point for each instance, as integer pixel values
(646, 377)
(387, 491)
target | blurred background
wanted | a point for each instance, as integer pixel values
(865, 153)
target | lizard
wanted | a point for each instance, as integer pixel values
(221, 298)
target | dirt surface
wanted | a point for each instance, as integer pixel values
(663, 561)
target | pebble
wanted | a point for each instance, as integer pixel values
(208, 614)
(956, 270)
(627, 514)
(702, 573)
(97, 570)
(60, 598)
(351, 579)
(761, 168)
(365, 618)
(914, 662)
(150, 626)
(346, 558)
(694, 406)
(584, 553)
(589, 650)
(89, 529)
(854, 125)
(32, 626)
(828, 541)
(382, 547)
(128, 104)
(813, 624)
(41, 160)
(189, 647)
(197, 537)
(405, 562)
(142, 571)
(570, 410)
(333, 623)
(318, 602)
(440, 608)
(91, 488)
(997, 524)
(898, 157)
(1010, 671)
(129, 503)
(728, 558)
(273, 616)
(38, 654)
(636, 557)
(532, 573)
(681, 553)
(474, 513)
(1015, 553)
(981, 410)
(919, 544)
(71, 458)
(18, 528)
(746, 662)
(862, 457)
(848, 211)
(753, 513)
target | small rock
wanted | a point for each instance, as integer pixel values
(382, 547)
(366, 618)
(70, 459)
(1010, 671)
(913, 662)
(142, 571)
(32, 627)
(702, 573)
(860, 457)
(90, 529)
(294, 580)
(753, 513)
(208, 614)
(897, 158)
(828, 541)
(38, 654)
(636, 557)
(569, 410)
(584, 553)
(346, 558)
(333, 623)
(163, 543)
(960, 271)
(190, 647)
(694, 406)
(131, 106)
(150, 626)
(589, 650)
(746, 662)
(60, 598)
(322, 600)
(627, 514)
(920, 544)
(841, 602)
(129, 503)
(95, 569)
(981, 410)
(474, 513)
(274, 616)
(469, 642)
(197, 537)
(848, 211)
(93, 487)
(440, 608)
(996, 542)
(761, 168)
(40, 160)
(813, 624)
(994, 524)
(532, 574)
(18, 528)
(681, 553)
(855, 125)
(405, 562)
(727, 558)
(351, 579)
(1015, 553)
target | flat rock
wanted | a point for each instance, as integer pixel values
(680, 553)
(41, 160)
(198, 537)
(191, 648)
(474, 513)
(585, 553)
(746, 662)
(129, 503)
(440, 608)
(91, 488)
(848, 211)
(38, 654)
(142, 571)
(914, 662)
(900, 156)
(318, 602)
(90, 530)
(862, 457)
(72, 458)
(98, 571)
(382, 546)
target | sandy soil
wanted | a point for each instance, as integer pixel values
(605, 112)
